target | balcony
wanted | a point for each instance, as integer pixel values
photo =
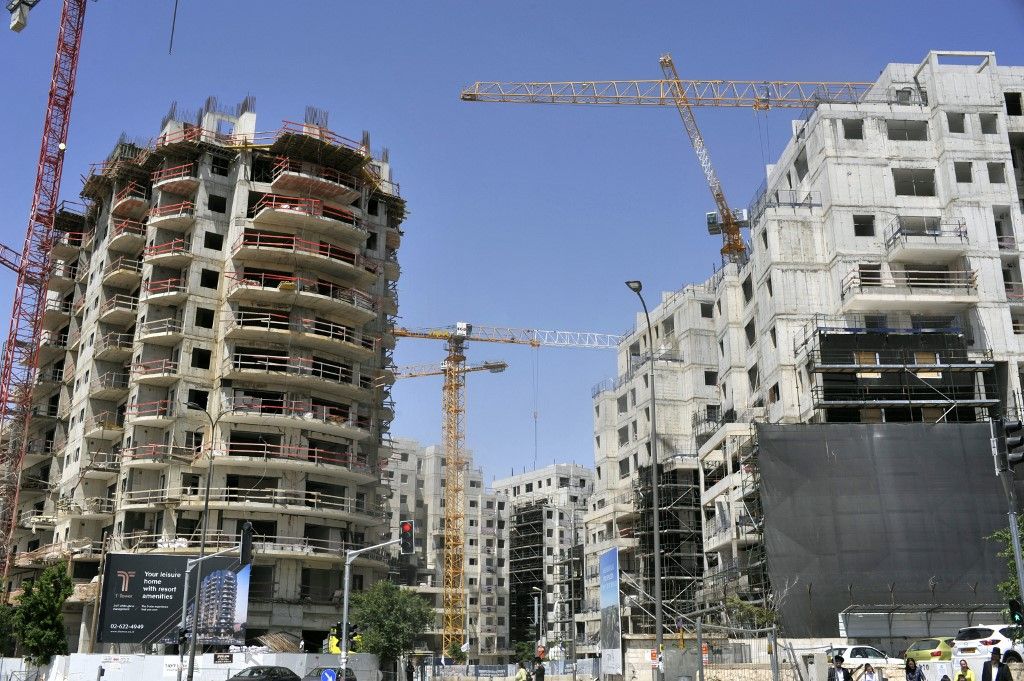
(119, 309)
(125, 272)
(859, 360)
(127, 236)
(181, 180)
(1014, 293)
(91, 508)
(298, 371)
(101, 465)
(46, 412)
(303, 502)
(292, 212)
(157, 455)
(308, 179)
(131, 202)
(920, 290)
(47, 379)
(162, 372)
(294, 547)
(110, 386)
(56, 313)
(176, 254)
(172, 291)
(52, 344)
(39, 450)
(106, 425)
(918, 394)
(161, 332)
(319, 255)
(926, 238)
(176, 217)
(68, 245)
(297, 457)
(286, 291)
(114, 347)
(312, 333)
(298, 414)
(158, 413)
(35, 519)
(62, 276)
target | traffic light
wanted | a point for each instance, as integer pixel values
(1016, 612)
(246, 550)
(406, 530)
(1007, 444)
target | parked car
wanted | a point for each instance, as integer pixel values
(930, 650)
(855, 656)
(265, 674)
(340, 674)
(975, 644)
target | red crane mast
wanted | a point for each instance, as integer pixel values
(21, 358)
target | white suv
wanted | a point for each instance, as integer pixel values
(975, 644)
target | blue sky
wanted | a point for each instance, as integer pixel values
(524, 216)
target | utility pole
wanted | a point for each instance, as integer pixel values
(350, 556)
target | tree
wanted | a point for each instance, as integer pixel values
(389, 620)
(39, 617)
(1007, 589)
(8, 637)
(749, 615)
(523, 651)
(455, 652)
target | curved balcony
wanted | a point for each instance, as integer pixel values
(301, 502)
(114, 347)
(156, 455)
(297, 414)
(318, 255)
(68, 245)
(176, 217)
(170, 291)
(309, 179)
(293, 212)
(106, 425)
(297, 371)
(265, 545)
(155, 372)
(110, 386)
(63, 276)
(119, 309)
(181, 180)
(175, 254)
(127, 235)
(52, 344)
(161, 332)
(297, 457)
(310, 333)
(56, 313)
(131, 201)
(160, 413)
(125, 272)
(286, 291)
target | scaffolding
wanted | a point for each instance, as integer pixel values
(526, 569)
(680, 531)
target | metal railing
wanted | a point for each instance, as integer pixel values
(297, 284)
(120, 301)
(304, 206)
(127, 227)
(903, 229)
(124, 263)
(299, 366)
(299, 453)
(173, 247)
(294, 244)
(283, 165)
(181, 209)
(908, 393)
(309, 500)
(164, 286)
(899, 358)
(919, 280)
(300, 409)
(106, 420)
(154, 367)
(160, 409)
(160, 326)
(181, 172)
(114, 340)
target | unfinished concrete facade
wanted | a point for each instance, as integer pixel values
(223, 307)
(883, 284)
(545, 543)
(416, 478)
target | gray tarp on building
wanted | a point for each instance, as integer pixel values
(877, 513)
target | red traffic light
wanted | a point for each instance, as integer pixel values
(406, 526)
(407, 544)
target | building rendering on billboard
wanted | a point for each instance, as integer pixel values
(611, 616)
(143, 596)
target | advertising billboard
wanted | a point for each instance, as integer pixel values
(611, 616)
(143, 595)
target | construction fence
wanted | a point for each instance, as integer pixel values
(737, 654)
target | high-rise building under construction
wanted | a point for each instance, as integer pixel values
(220, 315)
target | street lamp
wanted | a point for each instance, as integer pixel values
(636, 287)
(202, 538)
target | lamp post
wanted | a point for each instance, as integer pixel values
(636, 287)
(202, 537)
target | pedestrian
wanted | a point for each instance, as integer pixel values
(869, 673)
(994, 669)
(838, 672)
(912, 671)
(538, 671)
(409, 670)
(521, 672)
(965, 673)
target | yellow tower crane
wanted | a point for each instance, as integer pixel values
(453, 440)
(684, 95)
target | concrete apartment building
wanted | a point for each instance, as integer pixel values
(227, 280)
(415, 477)
(545, 550)
(883, 286)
